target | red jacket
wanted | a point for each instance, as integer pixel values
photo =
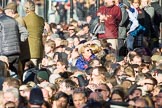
(114, 16)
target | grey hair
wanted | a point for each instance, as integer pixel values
(80, 90)
(13, 91)
(29, 6)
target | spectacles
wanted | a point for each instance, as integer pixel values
(99, 90)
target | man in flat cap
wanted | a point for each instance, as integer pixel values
(9, 40)
(11, 10)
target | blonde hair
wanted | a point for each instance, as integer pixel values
(82, 48)
(95, 48)
(50, 43)
(129, 71)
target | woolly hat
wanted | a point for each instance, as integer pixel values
(36, 96)
(43, 75)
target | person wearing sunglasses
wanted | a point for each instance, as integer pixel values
(104, 90)
(85, 57)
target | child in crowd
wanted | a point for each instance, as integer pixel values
(135, 27)
(49, 54)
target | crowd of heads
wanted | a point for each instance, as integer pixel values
(78, 70)
(99, 80)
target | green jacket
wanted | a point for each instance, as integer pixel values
(35, 27)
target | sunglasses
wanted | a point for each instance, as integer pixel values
(99, 90)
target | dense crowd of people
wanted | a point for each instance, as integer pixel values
(105, 58)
